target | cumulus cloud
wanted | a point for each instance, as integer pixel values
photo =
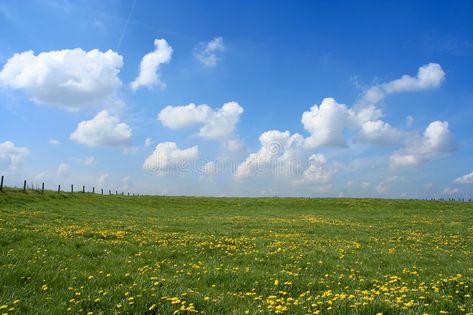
(11, 156)
(318, 171)
(208, 53)
(327, 124)
(282, 155)
(428, 76)
(436, 141)
(176, 117)
(216, 124)
(465, 179)
(150, 64)
(69, 78)
(278, 152)
(379, 132)
(102, 130)
(167, 157)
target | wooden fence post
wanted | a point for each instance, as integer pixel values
(93, 190)
(72, 188)
(42, 188)
(1, 184)
(24, 186)
(101, 191)
(83, 189)
(58, 189)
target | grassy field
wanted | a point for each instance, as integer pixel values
(85, 253)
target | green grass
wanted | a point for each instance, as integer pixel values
(80, 253)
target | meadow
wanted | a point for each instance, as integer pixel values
(90, 254)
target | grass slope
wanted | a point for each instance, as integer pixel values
(84, 253)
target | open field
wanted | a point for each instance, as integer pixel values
(85, 253)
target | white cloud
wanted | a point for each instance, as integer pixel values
(69, 78)
(282, 155)
(465, 179)
(216, 124)
(207, 53)
(176, 117)
(428, 76)
(62, 169)
(11, 156)
(167, 157)
(278, 154)
(379, 132)
(148, 142)
(54, 141)
(326, 124)
(450, 191)
(149, 67)
(221, 124)
(436, 141)
(102, 130)
(317, 171)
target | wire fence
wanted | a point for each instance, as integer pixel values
(60, 189)
(122, 193)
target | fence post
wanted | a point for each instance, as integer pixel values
(93, 190)
(83, 189)
(101, 191)
(1, 184)
(110, 192)
(24, 186)
(58, 189)
(42, 188)
(72, 188)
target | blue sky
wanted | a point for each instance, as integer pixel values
(252, 98)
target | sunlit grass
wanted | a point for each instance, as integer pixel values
(94, 254)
